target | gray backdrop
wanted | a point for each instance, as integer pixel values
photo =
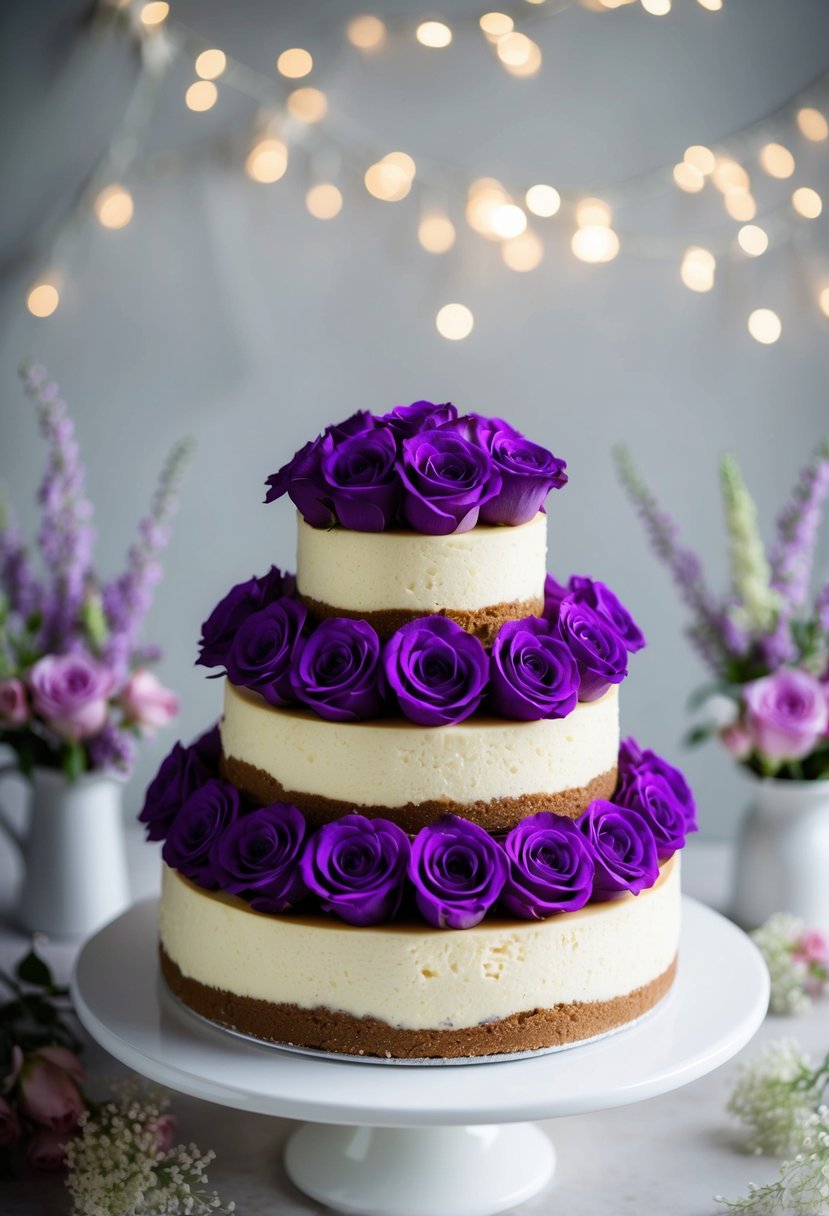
(224, 311)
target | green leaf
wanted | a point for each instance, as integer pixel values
(33, 970)
(74, 760)
(700, 734)
(94, 621)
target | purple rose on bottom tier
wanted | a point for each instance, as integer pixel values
(457, 871)
(181, 773)
(596, 646)
(258, 858)
(551, 867)
(659, 792)
(357, 867)
(623, 848)
(205, 816)
(532, 673)
(437, 671)
(338, 672)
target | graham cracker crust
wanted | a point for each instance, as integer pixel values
(484, 623)
(497, 815)
(328, 1030)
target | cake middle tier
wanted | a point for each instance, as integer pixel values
(479, 578)
(490, 770)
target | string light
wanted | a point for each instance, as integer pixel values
(43, 299)
(700, 158)
(495, 25)
(523, 252)
(823, 301)
(324, 201)
(753, 240)
(656, 8)
(403, 162)
(688, 177)
(697, 269)
(741, 207)
(295, 63)
(812, 124)
(484, 197)
(776, 160)
(595, 243)
(267, 161)
(729, 177)
(387, 181)
(593, 212)
(114, 207)
(508, 221)
(366, 32)
(713, 6)
(434, 34)
(764, 326)
(519, 54)
(152, 14)
(211, 64)
(807, 202)
(308, 104)
(201, 95)
(455, 322)
(436, 232)
(543, 200)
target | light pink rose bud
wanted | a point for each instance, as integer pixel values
(164, 1129)
(787, 713)
(71, 691)
(147, 702)
(49, 1096)
(47, 1149)
(14, 708)
(813, 947)
(9, 1124)
(737, 740)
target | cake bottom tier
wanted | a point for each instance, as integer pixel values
(407, 991)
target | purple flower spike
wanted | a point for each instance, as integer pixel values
(532, 673)
(437, 671)
(458, 872)
(258, 858)
(602, 600)
(205, 817)
(550, 867)
(266, 647)
(528, 471)
(338, 672)
(357, 867)
(446, 480)
(623, 848)
(596, 646)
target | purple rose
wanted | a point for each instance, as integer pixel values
(182, 772)
(602, 600)
(532, 673)
(786, 714)
(554, 594)
(550, 867)
(359, 477)
(208, 748)
(258, 858)
(596, 646)
(408, 420)
(623, 848)
(205, 816)
(458, 872)
(71, 693)
(528, 471)
(300, 478)
(446, 480)
(338, 671)
(357, 867)
(266, 646)
(638, 765)
(438, 671)
(220, 628)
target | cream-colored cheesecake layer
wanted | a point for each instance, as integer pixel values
(416, 977)
(381, 571)
(393, 762)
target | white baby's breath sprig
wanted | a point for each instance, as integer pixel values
(802, 1185)
(777, 940)
(776, 1096)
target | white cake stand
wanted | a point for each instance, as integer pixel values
(438, 1141)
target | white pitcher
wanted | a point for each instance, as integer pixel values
(75, 868)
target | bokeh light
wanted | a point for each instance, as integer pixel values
(267, 161)
(114, 206)
(455, 322)
(543, 200)
(436, 232)
(764, 326)
(324, 201)
(295, 63)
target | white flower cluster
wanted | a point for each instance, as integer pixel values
(776, 1096)
(776, 941)
(121, 1164)
(802, 1186)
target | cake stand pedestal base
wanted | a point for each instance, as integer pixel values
(424, 1171)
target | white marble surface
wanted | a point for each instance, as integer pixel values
(667, 1156)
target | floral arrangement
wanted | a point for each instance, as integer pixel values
(797, 959)
(765, 644)
(419, 466)
(75, 685)
(452, 873)
(430, 670)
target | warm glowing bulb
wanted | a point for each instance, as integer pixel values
(697, 269)
(543, 200)
(807, 202)
(324, 201)
(729, 177)
(753, 240)
(523, 252)
(436, 232)
(152, 14)
(592, 212)
(713, 6)
(740, 207)
(595, 243)
(495, 25)
(403, 162)
(43, 299)
(508, 221)
(433, 34)
(813, 124)
(484, 197)
(657, 8)
(210, 64)
(519, 54)
(764, 326)
(387, 181)
(454, 321)
(267, 161)
(295, 63)
(688, 177)
(201, 95)
(308, 104)
(700, 158)
(113, 207)
(367, 33)
(823, 301)
(777, 160)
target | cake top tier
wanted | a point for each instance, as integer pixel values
(420, 466)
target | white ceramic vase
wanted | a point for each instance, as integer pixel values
(782, 858)
(75, 869)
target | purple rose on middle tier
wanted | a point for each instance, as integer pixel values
(602, 600)
(205, 816)
(219, 630)
(338, 672)
(446, 480)
(437, 671)
(528, 471)
(551, 867)
(357, 867)
(596, 646)
(623, 847)
(532, 672)
(181, 773)
(266, 648)
(359, 476)
(407, 420)
(641, 769)
(458, 871)
(258, 858)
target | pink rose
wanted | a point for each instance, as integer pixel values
(9, 1124)
(737, 741)
(49, 1093)
(164, 1129)
(812, 947)
(787, 713)
(47, 1149)
(71, 691)
(14, 708)
(147, 702)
